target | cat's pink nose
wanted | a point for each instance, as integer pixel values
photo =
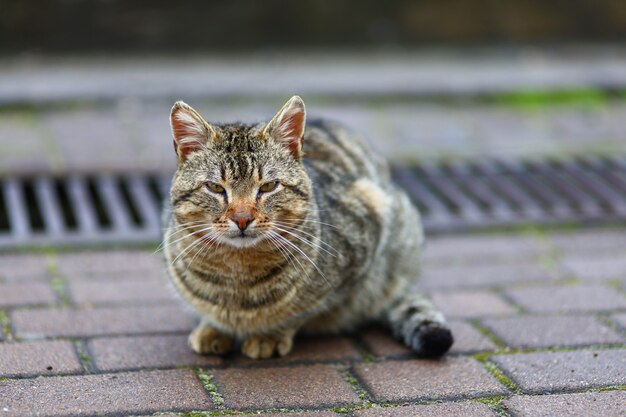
(243, 219)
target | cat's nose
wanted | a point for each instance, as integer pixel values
(242, 219)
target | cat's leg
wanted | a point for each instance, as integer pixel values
(264, 346)
(205, 339)
(422, 327)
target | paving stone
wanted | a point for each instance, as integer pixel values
(471, 303)
(15, 294)
(486, 275)
(568, 298)
(380, 342)
(597, 268)
(18, 267)
(480, 249)
(544, 372)
(37, 323)
(21, 147)
(117, 353)
(297, 387)
(118, 292)
(461, 409)
(411, 380)
(620, 319)
(589, 404)
(93, 263)
(587, 242)
(106, 144)
(554, 331)
(468, 340)
(38, 358)
(314, 349)
(113, 394)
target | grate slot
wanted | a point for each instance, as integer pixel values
(421, 195)
(505, 184)
(467, 208)
(553, 202)
(607, 172)
(4, 215)
(112, 203)
(609, 197)
(136, 216)
(65, 205)
(53, 218)
(35, 218)
(146, 205)
(18, 220)
(620, 171)
(476, 184)
(85, 213)
(567, 186)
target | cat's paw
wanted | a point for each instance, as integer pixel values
(264, 346)
(205, 340)
(431, 340)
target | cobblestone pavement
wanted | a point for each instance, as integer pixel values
(539, 319)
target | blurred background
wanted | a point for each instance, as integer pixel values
(495, 114)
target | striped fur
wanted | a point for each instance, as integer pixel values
(347, 253)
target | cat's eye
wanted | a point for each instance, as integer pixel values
(268, 186)
(216, 188)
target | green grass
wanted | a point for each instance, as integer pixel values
(587, 98)
(207, 380)
(495, 403)
(4, 322)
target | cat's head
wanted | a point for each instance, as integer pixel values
(238, 185)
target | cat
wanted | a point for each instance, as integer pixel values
(277, 228)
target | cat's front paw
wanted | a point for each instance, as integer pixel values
(264, 346)
(205, 340)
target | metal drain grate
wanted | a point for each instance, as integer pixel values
(492, 193)
(457, 196)
(81, 210)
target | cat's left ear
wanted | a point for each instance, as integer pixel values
(288, 126)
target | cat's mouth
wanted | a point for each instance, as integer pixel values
(242, 239)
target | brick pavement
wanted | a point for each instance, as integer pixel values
(540, 327)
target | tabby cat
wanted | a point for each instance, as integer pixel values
(276, 228)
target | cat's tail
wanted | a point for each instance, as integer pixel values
(422, 327)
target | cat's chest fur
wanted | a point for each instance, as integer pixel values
(244, 291)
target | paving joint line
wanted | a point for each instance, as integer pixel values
(495, 404)
(208, 382)
(352, 379)
(475, 322)
(5, 322)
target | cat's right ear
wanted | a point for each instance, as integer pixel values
(191, 133)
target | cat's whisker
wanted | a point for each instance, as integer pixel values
(191, 245)
(307, 242)
(311, 221)
(281, 224)
(280, 249)
(301, 252)
(208, 228)
(277, 239)
(206, 247)
(181, 229)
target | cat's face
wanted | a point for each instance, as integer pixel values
(239, 185)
